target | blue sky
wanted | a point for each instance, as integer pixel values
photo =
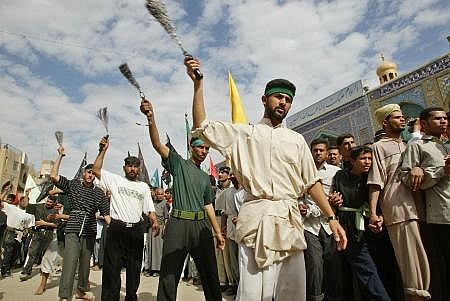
(58, 62)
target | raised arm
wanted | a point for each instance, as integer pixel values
(98, 163)
(54, 173)
(198, 105)
(6, 188)
(147, 110)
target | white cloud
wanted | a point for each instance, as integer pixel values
(320, 45)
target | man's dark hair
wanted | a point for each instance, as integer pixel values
(333, 147)
(379, 134)
(340, 138)
(11, 196)
(53, 197)
(362, 149)
(89, 166)
(426, 113)
(132, 160)
(319, 141)
(225, 169)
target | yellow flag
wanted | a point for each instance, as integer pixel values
(237, 111)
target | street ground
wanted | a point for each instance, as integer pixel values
(12, 289)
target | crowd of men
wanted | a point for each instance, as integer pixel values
(284, 221)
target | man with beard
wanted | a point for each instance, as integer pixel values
(275, 167)
(85, 200)
(187, 231)
(430, 156)
(125, 235)
(400, 213)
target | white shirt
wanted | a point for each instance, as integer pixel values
(314, 217)
(17, 218)
(129, 199)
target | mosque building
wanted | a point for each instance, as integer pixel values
(351, 109)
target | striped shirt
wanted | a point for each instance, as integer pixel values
(84, 202)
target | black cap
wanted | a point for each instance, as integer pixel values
(132, 160)
(89, 166)
(225, 169)
(280, 85)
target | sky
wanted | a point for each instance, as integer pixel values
(59, 63)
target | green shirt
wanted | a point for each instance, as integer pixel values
(191, 186)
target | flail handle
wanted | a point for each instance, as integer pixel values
(198, 74)
(101, 145)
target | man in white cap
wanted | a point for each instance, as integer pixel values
(399, 212)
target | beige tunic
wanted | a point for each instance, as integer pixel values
(396, 199)
(275, 167)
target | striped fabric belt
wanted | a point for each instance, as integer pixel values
(189, 215)
(360, 213)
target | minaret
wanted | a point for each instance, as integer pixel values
(386, 71)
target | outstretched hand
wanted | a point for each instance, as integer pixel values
(338, 234)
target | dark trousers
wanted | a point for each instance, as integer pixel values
(358, 256)
(123, 248)
(11, 250)
(437, 244)
(40, 241)
(101, 250)
(324, 267)
(193, 237)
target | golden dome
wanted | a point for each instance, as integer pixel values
(385, 66)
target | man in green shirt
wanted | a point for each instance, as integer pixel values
(187, 230)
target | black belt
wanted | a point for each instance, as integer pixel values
(123, 224)
(44, 229)
(218, 212)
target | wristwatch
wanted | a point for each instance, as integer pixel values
(332, 218)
